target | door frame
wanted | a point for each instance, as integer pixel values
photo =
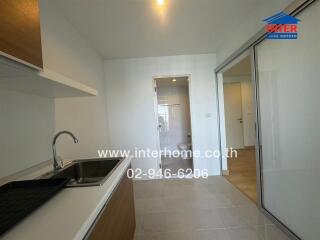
(221, 119)
(222, 134)
(155, 109)
(292, 9)
(258, 145)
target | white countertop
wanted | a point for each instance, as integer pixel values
(69, 214)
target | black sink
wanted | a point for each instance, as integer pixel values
(91, 172)
(19, 199)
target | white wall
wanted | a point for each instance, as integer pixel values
(130, 104)
(28, 122)
(176, 100)
(67, 52)
(252, 24)
(27, 126)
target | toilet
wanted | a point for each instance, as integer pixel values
(184, 150)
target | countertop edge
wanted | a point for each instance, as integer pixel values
(117, 174)
(71, 213)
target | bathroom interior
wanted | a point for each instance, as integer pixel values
(174, 124)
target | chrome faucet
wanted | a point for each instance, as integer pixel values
(57, 162)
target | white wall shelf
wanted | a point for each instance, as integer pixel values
(17, 77)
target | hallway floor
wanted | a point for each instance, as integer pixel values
(174, 164)
(203, 209)
(243, 173)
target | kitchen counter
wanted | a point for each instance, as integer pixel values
(69, 214)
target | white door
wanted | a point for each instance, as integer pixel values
(233, 115)
(249, 134)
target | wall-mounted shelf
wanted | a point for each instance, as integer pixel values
(17, 77)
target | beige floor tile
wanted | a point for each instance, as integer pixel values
(148, 236)
(148, 189)
(271, 232)
(204, 219)
(251, 215)
(198, 202)
(198, 209)
(177, 236)
(237, 198)
(165, 236)
(172, 190)
(176, 222)
(139, 218)
(150, 205)
(219, 201)
(245, 233)
(175, 204)
(152, 222)
(211, 234)
(231, 217)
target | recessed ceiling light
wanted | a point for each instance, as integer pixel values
(160, 2)
(174, 80)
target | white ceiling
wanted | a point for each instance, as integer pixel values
(139, 28)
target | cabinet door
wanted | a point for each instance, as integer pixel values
(117, 221)
(20, 35)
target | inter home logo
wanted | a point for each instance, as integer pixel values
(282, 26)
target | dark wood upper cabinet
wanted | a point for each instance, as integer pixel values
(20, 35)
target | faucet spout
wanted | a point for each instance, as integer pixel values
(57, 163)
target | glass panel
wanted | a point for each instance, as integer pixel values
(289, 101)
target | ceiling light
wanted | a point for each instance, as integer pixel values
(174, 80)
(160, 2)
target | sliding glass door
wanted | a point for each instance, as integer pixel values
(288, 87)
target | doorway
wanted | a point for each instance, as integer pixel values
(233, 114)
(236, 102)
(174, 124)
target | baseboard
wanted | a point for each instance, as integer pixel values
(225, 172)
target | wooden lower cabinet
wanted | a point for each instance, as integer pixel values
(117, 219)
